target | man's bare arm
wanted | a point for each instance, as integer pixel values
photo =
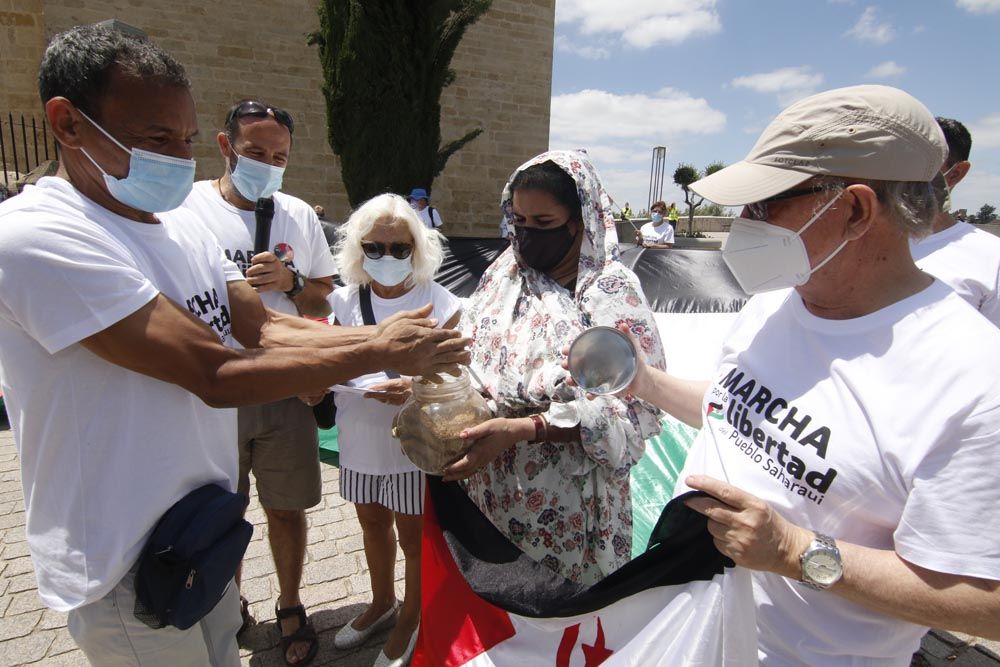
(166, 342)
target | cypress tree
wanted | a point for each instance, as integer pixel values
(385, 64)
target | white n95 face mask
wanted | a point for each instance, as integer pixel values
(765, 257)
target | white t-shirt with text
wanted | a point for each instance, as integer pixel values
(662, 233)
(104, 451)
(967, 260)
(295, 230)
(364, 424)
(878, 431)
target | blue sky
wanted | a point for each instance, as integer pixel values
(704, 77)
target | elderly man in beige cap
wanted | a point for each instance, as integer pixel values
(848, 449)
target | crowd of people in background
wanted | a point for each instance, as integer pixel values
(845, 439)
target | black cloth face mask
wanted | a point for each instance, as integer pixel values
(543, 249)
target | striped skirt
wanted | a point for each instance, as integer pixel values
(401, 492)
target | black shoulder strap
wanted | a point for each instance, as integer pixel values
(368, 316)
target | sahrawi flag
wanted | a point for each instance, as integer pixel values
(485, 603)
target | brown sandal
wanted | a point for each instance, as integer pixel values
(305, 633)
(248, 620)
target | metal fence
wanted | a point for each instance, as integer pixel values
(25, 142)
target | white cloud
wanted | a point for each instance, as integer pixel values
(986, 132)
(870, 29)
(979, 6)
(641, 23)
(887, 70)
(919, 29)
(976, 189)
(619, 132)
(597, 116)
(583, 50)
(789, 83)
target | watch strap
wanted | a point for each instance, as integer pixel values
(298, 283)
(819, 542)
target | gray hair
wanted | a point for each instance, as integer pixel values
(912, 205)
(77, 65)
(427, 246)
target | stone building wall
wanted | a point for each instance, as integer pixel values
(258, 49)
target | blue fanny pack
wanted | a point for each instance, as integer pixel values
(191, 557)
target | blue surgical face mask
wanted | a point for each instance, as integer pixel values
(254, 179)
(657, 218)
(155, 183)
(388, 270)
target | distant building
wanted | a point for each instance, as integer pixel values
(503, 83)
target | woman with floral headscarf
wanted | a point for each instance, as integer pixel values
(552, 470)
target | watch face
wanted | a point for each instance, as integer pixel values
(823, 568)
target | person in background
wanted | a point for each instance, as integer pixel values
(840, 463)
(277, 441)
(658, 232)
(117, 315)
(956, 253)
(385, 252)
(430, 216)
(627, 212)
(673, 216)
(552, 470)
(329, 227)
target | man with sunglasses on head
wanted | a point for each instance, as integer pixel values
(848, 448)
(277, 441)
(956, 253)
(116, 324)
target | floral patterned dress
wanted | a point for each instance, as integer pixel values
(566, 505)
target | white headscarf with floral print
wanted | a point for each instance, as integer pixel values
(520, 319)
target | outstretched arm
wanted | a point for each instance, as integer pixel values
(166, 342)
(755, 536)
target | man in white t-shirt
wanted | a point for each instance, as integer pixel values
(277, 441)
(115, 328)
(658, 233)
(848, 447)
(420, 201)
(956, 253)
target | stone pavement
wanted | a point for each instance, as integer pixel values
(335, 589)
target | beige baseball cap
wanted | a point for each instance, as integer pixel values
(871, 132)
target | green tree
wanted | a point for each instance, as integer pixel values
(684, 176)
(384, 66)
(987, 213)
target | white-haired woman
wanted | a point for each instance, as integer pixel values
(386, 249)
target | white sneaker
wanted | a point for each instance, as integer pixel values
(349, 637)
(383, 661)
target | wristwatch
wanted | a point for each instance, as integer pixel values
(298, 284)
(822, 566)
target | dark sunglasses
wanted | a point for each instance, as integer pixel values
(258, 110)
(375, 250)
(758, 210)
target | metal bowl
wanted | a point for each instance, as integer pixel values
(602, 360)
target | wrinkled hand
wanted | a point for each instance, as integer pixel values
(415, 347)
(312, 399)
(421, 316)
(392, 392)
(489, 440)
(268, 274)
(747, 529)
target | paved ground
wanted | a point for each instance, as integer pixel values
(335, 590)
